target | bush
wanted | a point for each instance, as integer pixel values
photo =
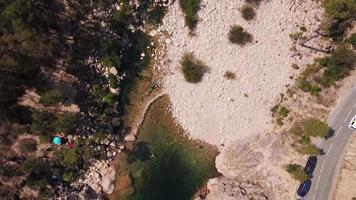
(310, 128)
(283, 111)
(110, 99)
(297, 172)
(338, 65)
(32, 165)
(114, 83)
(339, 12)
(64, 122)
(255, 2)
(98, 90)
(295, 66)
(352, 40)
(190, 9)
(28, 146)
(247, 12)
(237, 35)
(192, 68)
(229, 75)
(42, 122)
(71, 158)
(309, 149)
(51, 98)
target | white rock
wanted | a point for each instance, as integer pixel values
(153, 33)
(130, 138)
(113, 71)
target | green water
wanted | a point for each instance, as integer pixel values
(165, 165)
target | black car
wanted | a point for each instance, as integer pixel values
(310, 166)
(304, 188)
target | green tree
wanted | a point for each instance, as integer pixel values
(42, 122)
(309, 149)
(315, 128)
(32, 165)
(71, 158)
(65, 122)
(297, 172)
(52, 98)
(190, 9)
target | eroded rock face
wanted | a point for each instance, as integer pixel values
(230, 189)
(258, 160)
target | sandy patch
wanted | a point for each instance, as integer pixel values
(219, 110)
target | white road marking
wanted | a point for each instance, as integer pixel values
(354, 105)
(317, 183)
(330, 148)
(314, 196)
(337, 133)
(322, 167)
(348, 116)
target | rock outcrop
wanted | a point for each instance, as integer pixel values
(229, 189)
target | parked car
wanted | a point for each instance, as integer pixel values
(310, 166)
(352, 124)
(304, 188)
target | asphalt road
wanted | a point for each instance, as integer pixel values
(324, 175)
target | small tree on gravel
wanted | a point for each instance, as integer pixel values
(247, 12)
(238, 35)
(297, 172)
(192, 68)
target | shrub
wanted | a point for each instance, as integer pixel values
(98, 90)
(190, 9)
(42, 122)
(352, 40)
(247, 12)
(28, 146)
(339, 12)
(64, 122)
(229, 75)
(192, 68)
(283, 111)
(295, 66)
(237, 35)
(51, 98)
(110, 99)
(338, 65)
(309, 149)
(310, 128)
(155, 16)
(114, 83)
(297, 172)
(279, 121)
(71, 158)
(32, 165)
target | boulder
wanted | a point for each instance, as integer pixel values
(130, 138)
(113, 71)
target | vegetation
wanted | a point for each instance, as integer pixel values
(192, 68)
(28, 146)
(230, 75)
(306, 129)
(309, 149)
(64, 123)
(352, 40)
(190, 9)
(247, 12)
(311, 128)
(238, 35)
(295, 66)
(341, 14)
(297, 172)
(51, 98)
(338, 65)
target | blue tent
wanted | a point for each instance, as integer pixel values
(57, 141)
